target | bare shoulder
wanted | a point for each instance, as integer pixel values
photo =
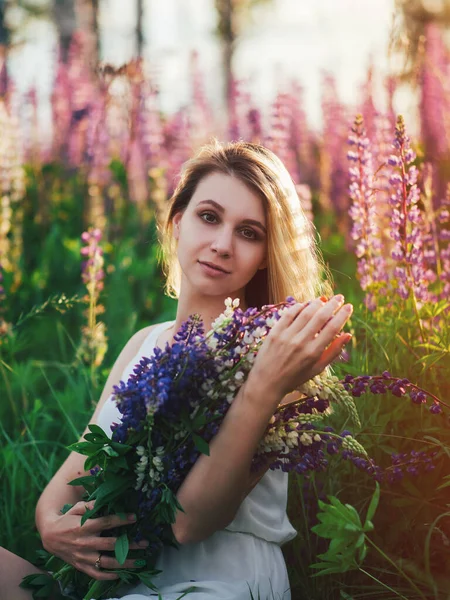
(126, 355)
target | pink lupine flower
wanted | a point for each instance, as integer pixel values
(371, 264)
(61, 111)
(278, 138)
(435, 117)
(5, 327)
(407, 225)
(368, 110)
(238, 107)
(334, 172)
(97, 144)
(200, 111)
(177, 146)
(93, 344)
(300, 134)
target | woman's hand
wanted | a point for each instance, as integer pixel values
(80, 545)
(300, 345)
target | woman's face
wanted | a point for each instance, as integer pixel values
(223, 224)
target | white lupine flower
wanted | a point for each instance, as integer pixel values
(259, 332)
(239, 375)
(317, 438)
(212, 343)
(248, 338)
(306, 439)
(140, 450)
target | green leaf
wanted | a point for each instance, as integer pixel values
(86, 448)
(200, 444)
(325, 531)
(121, 548)
(97, 430)
(108, 451)
(373, 503)
(84, 481)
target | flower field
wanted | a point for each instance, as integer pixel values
(80, 273)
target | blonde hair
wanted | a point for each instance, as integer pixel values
(294, 262)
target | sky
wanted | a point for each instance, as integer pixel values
(284, 39)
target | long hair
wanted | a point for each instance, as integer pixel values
(295, 265)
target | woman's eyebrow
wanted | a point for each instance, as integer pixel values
(221, 209)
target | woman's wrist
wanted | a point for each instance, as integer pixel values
(260, 396)
(45, 519)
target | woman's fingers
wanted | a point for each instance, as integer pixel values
(109, 522)
(108, 543)
(109, 562)
(333, 324)
(331, 353)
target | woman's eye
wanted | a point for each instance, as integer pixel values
(208, 214)
(252, 235)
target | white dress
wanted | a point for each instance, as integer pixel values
(245, 556)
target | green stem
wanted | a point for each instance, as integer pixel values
(383, 584)
(8, 389)
(395, 565)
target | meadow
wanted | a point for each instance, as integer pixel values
(79, 274)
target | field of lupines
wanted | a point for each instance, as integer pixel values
(80, 274)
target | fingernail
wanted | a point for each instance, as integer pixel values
(339, 298)
(324, 299)
(132, 517)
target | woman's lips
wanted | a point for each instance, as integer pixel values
(211, 271)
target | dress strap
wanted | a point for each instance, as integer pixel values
(148, 344)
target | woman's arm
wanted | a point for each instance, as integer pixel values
(217, 484)
(57, 492)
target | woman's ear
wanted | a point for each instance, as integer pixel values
(176, 224)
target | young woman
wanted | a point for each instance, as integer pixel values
(234, 227)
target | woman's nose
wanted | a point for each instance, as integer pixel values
(223, 242)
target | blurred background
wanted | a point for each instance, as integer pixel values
(265, 42)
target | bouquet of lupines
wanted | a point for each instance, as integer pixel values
(172, 406)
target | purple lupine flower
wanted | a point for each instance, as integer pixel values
(381, 150)
(254, 125)
(381, 384)
(371, 264)
(407, 225)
